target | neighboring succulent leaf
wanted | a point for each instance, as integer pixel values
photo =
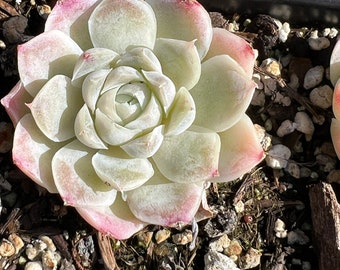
(241, 150)
(33, 152)
(180, 61)
(117, 24)
(335, 133)
(76, 180)
(334, 67)
(52, 111)
(191, 156)
(120, 171)
(221, 106)
(224, 42)
(336, 100)
(115, 220)
(71, 17)
(46, 59)
(189, 21)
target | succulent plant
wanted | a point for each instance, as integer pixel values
(129, 109)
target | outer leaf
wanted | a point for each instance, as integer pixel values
(77, 182)
(189, 157)
(145, 146)
(71, 17)
(117, 24)
(164, 203)
(336, 100)
(222, 94)
(335, 64)
(120, 171)
(225, 42)
(180, 61)
(14, 100)
(240, 150)
(55, 108)
(33, 152)
(115, 220)
(41, 53)
(85, 130)
(188, 16)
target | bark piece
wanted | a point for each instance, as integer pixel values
(326, 223)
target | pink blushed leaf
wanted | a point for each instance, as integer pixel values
(336, 100)
(335, 64)
(33, 153)
(240, 150)
(225, 42)
(189, 21)
(335, 133)
(14, 102)
(71, 17)
(115, 220)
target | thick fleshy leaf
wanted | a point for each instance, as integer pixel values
(92, 87)
(225, 42)
(163, 88)
(85, 131)
(192, 156)
(14, 100)
(115, 220)
(336, 100)
(180, 61)
(93, 59)
(55, 108)
(150, 117)
(182, 113)
(33, 152)
(335, 133)
(188, 16)
(111, 132)
(334, 67)
(121, 75)
(140, 58)
(76, 180)
(241, 150)
(71, 17)
(120, 171)
(145, 146)
(165, 203)
(222, 94)
(117, 24)
(39, 60)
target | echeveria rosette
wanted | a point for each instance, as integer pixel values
(128, 108)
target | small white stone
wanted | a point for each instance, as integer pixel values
(239, 207)
(313, 77)
(279, 228)
(318, 44)
(162, 235)
(251, 259)
(33, 266)
(272, 66)
(50, 260)
(31, 252)
(285, 128)
(17, 242)
(259, 98)
(220, 244)
(326, 31)
(304, 124)
(2, 45)
(284, 32)
(322, 96)
(277, 157)
(333, 33)
(49, 243)
(269, 85)
(214, 260)
(7, 248)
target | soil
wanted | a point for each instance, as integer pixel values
(247, 210)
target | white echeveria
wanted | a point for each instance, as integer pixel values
(128, 108)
